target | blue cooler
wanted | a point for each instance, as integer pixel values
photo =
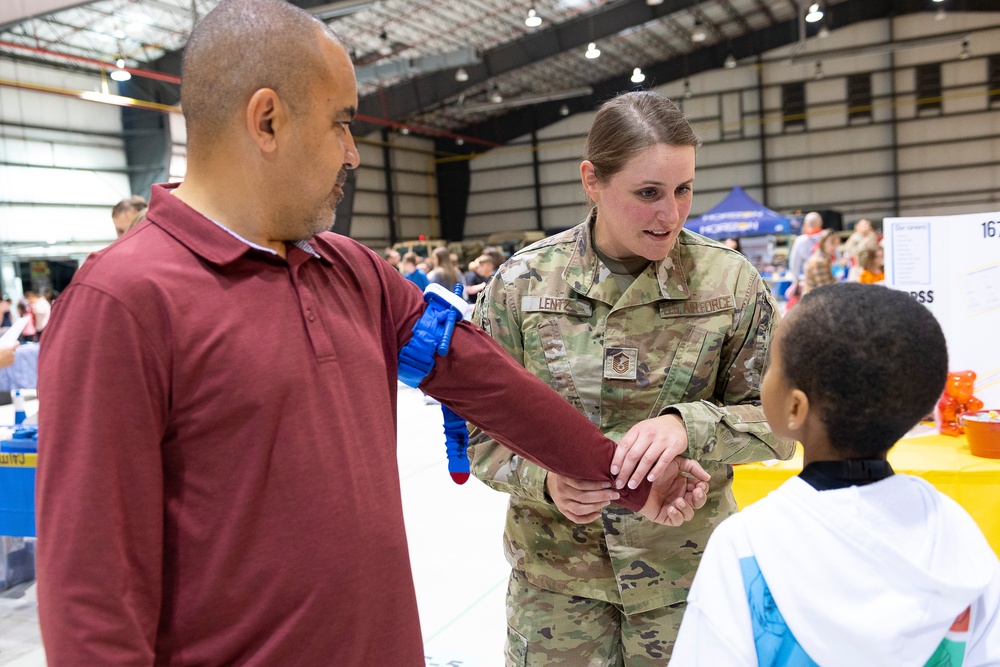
(18, 460)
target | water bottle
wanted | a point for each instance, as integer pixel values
(19, 414)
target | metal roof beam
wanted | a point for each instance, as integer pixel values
(735, 15)
(13, 12)
(414, 66)
(420, 93)
(765, 10)
(504, 128)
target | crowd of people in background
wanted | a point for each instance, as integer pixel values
(817, 257)
(34, 305)
(444, 268)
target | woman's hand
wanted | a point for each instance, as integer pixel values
(675, 496)
(648, 449)
(580, 501)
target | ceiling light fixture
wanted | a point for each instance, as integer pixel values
(638, 76)
(533, 20)
(819, 71)
(815, 13)
(384, 47)
(564, 110)
(460, 141)
(495, 96)
(940, 14)
(592, 51)
(404, 130)
(120, 74)
(687, 89)
(654, 3)
(964, 55)
(698, 35)
(730, 61)
(824, 32)
(461, 74)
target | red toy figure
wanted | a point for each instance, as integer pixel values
(956, 399)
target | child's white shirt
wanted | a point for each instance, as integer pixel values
(874, 576)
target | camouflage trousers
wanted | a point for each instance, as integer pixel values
(547, 628)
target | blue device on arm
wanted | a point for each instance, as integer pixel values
(431, 337)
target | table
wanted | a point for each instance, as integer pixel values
(24, 373)
(942, 460)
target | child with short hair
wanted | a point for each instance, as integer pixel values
(848, 564)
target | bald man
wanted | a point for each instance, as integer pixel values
(802, 247)
(126, 213)
(220, 488)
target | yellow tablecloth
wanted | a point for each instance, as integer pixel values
(942, 460)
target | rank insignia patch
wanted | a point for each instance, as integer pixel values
(620, 363)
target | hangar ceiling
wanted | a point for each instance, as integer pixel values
(473, 68)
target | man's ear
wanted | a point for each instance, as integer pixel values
(798, 410)
(265, 115)
(589, 177)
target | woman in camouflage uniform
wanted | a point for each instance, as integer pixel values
(660, 337)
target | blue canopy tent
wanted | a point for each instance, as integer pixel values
(740, 215)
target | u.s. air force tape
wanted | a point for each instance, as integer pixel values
(695, 306)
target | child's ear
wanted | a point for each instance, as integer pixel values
(799, 410)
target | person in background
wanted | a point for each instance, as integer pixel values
(819, 267)
(218, 492)
(496, 254)
(412, 270)
(848, 564)
(7, 318)
(445, 272)
(391, 255)
(471, 270)
(872, 263)
(805, 243)
(41, 309)
(732, 244)
(482, 270)
(862, 238)
(660, 337)
(123, 213)
(29, 334)
(802, 248)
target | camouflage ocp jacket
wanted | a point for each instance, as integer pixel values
(690, 335)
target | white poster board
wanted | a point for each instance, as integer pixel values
(951, 264)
